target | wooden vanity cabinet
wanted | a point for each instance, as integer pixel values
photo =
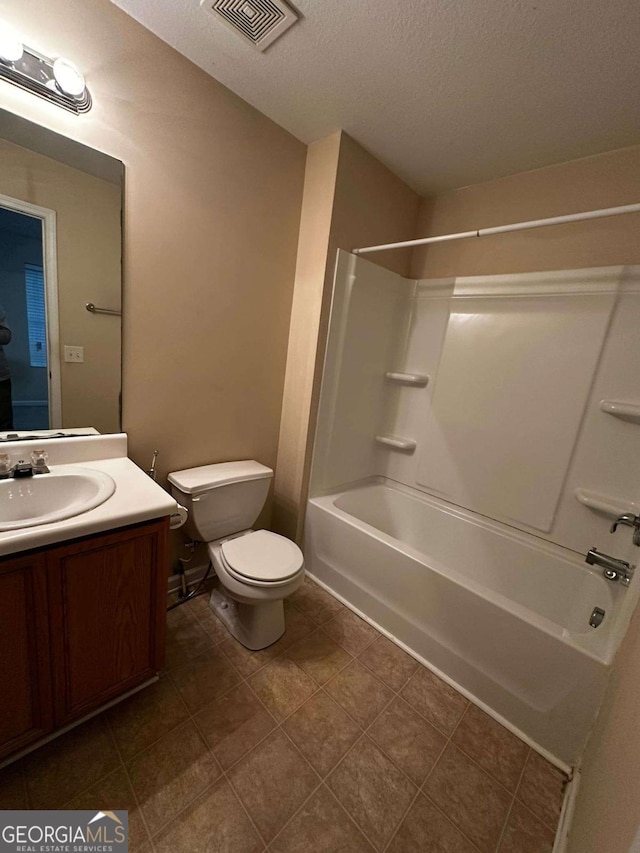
(26, 711)
(80, 624)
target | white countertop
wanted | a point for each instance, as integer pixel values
(136, 498)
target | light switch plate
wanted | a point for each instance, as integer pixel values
(74, 354)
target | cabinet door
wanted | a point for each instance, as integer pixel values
(25, 672)
(107, 607)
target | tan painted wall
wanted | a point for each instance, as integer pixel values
(308, 296)
(606, 180)
(350, 200)
(88, 241)
(608, 810)
(212, 203)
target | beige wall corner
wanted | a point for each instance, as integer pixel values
(350, 200)
(372, 206)
(607, 815)
(606, 180)
(311, 271)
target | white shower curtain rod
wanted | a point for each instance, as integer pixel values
(503, 229)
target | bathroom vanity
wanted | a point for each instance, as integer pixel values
(83, 598)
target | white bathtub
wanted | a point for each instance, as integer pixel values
(504, 616)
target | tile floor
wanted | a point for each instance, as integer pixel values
(331, 740)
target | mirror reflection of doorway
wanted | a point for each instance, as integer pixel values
(23, 302)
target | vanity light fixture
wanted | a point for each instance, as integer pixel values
(11, 48)
(58, 81)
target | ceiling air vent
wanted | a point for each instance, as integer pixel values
(259, 22)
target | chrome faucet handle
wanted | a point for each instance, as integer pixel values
(628, 519)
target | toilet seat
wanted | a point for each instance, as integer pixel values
(262, 558)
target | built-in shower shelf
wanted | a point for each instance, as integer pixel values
(626, 411)
(418, 379)
(604, 504)
(397, 442)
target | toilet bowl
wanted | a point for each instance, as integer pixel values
(256, 569)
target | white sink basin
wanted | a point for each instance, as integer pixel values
(43, 498)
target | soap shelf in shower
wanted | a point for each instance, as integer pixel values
(605, 504)
(626, 411)
(418, 379)
(397, 442)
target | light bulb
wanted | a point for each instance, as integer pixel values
(11, 48)
(69, 78)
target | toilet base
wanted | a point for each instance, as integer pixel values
(256, 626)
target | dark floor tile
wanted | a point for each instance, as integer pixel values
(204, 678)
(434, 699)
(319, 656)
(469, 797)
(426, 830)
(185, 640)
(114, 792)
(297, 626)
(321, 826)
(351, 632)
(234, 724)
(68, 765)
(542, 789)
(146, 716)
(322, 732)
(214, 823)
(389, 662)
(212, 625)
(493, 747)
(13, 788)
(273, 781)
(359, 692)
(524, 833)
(177, 615)
(247, 661)
(197, 605)
(409, 740)
(315, 603)
(282, 686)
(373, 791)
(171, 773)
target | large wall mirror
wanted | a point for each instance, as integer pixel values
(60, 251)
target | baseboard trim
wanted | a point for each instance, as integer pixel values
(192, 575)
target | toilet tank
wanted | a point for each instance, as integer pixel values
(221, 499)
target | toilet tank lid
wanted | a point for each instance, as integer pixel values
(193, 480)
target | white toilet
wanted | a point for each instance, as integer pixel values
(257, 569)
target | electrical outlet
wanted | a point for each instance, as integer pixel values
(74, 354)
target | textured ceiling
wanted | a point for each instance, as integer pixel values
(445, 92)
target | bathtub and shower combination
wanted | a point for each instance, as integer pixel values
(505, 620)
(501, 606)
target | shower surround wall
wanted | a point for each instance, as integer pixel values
(515, 364)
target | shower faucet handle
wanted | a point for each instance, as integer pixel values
(629, 520)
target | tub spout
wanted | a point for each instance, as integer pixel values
(613, 568)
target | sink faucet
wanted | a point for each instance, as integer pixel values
(613, 568)
(22, 469)
(629, 520)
